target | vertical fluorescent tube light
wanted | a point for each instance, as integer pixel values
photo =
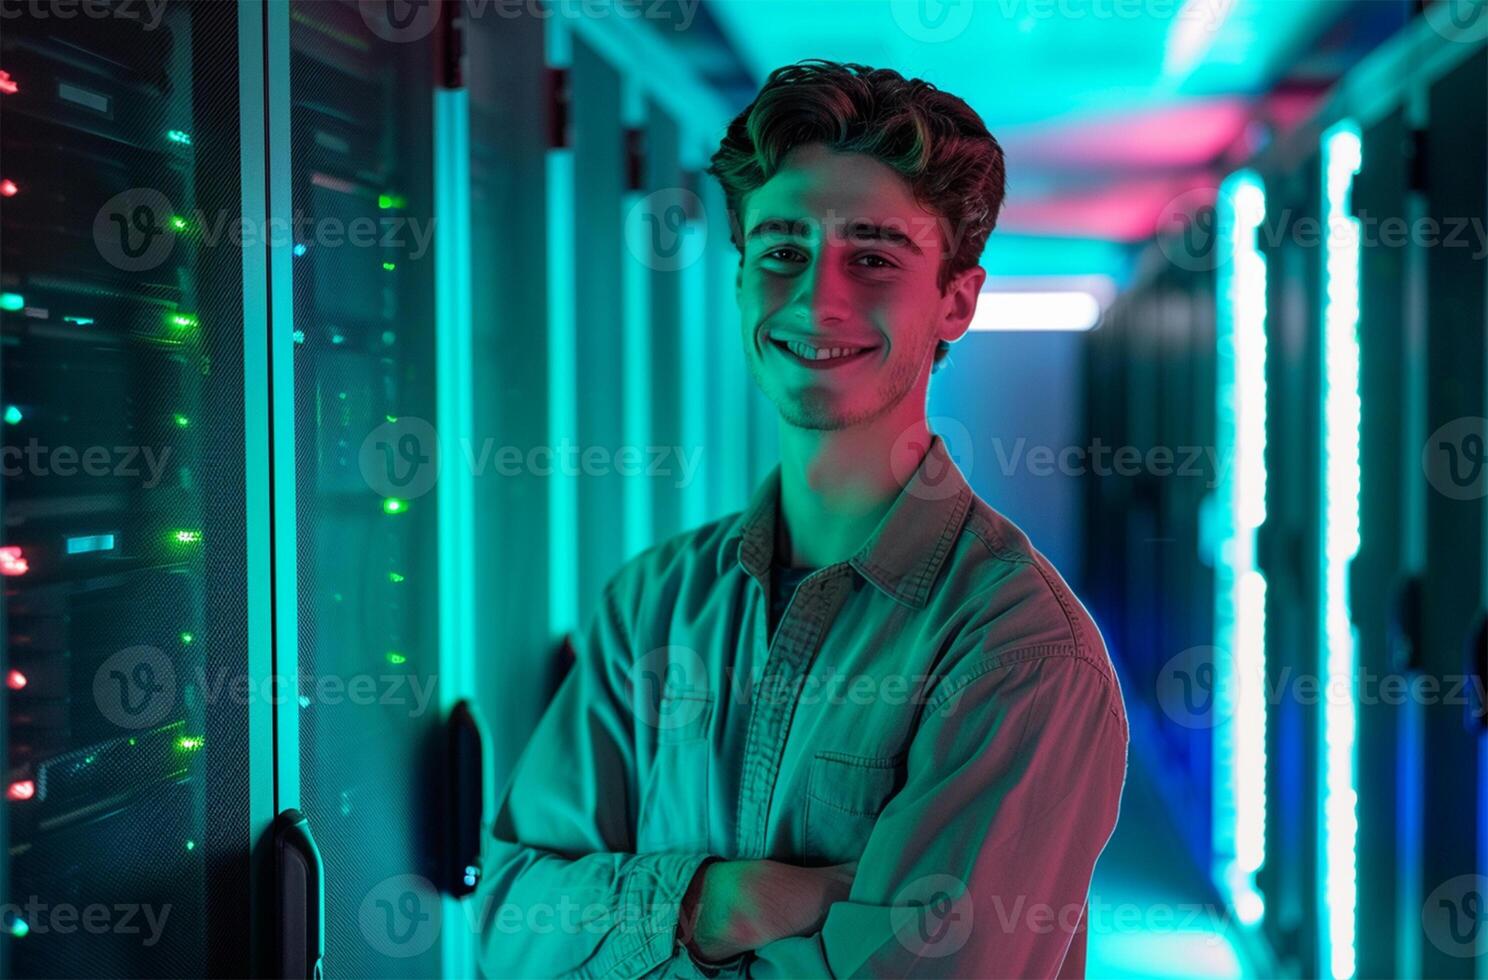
(1240, 588)
(1342, 156)
(563, 499)
(699, 381)
(636, 333)
(456, 394)
(455, 408)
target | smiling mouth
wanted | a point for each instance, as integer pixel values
(826, 356)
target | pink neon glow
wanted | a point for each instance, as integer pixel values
(8, 188)
(1124, 211)
(7, 87)
(21, 789)
(15, 680)
(1192, 134)
(13, 561)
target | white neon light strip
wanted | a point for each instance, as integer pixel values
(1342, 156)
(1071, 310)
(1240, 600)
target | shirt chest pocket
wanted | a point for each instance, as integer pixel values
(844, 796)
(675, 799)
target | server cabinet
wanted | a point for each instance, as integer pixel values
(126, 546)
(366, 461)
(599, 347)
(1384, 589)
(515, 107)
(1288, 544)
(1456, 159)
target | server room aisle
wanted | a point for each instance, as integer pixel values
(1152, 911)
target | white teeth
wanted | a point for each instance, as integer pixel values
(809, 353)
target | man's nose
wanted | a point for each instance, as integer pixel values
(821, 294)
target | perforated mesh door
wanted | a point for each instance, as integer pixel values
(361, 168)
(121, 337)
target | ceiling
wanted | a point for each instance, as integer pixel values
(1108, 109)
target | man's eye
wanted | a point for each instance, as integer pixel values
(874, 261)
(783, 254)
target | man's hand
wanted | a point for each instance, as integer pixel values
(742, 905)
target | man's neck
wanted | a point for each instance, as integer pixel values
(836, 485)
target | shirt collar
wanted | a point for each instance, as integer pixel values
(903, 555)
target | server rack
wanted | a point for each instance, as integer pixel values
(125, 533)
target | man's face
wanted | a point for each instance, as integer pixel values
(839, 257)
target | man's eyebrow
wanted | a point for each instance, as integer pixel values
(867, 230)
(794, 228)
(856, 231)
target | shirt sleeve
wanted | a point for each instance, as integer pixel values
(562, 891)
(981, 864)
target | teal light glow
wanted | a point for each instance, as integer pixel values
(563, 499)
(86, 544)
(12, 302)
(1240, 588)
(178, 136)
(13, 415)
(639, 498)
(455, 407)
(1342, 156)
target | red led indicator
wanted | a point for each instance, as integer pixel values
(21, 789)
(15, 680)
(8, 87)
(8, 188)
(13, 561)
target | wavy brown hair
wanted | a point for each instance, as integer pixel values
(933, 139)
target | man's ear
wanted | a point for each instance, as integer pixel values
(959, 304)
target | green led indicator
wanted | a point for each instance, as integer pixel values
(392, 505)
(178, 136)
(18, 927)
(389, 201)
(182, 421)
(190, 845)
(178, 222)
(394, 577)
(131, 741)
(189, 743)
(81, 321)
(186, 537)
(88, 760)
(394, 657)
(187, 637)
(390, 266)
(12, 302)
(13, 414)
(181, 320)
(391, 418)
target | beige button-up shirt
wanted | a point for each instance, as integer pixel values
(940, 708)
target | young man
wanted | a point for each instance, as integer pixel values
(861, 727)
